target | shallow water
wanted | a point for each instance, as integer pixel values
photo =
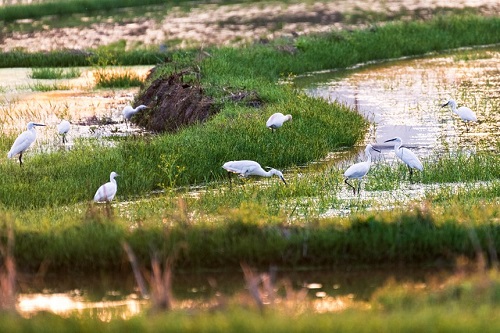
(404, 97)
(93, 113)
(112, 297)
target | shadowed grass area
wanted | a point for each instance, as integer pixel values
(91, 240)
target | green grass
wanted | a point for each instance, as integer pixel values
(54, 73)
(44, 87)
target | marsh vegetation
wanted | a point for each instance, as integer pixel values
(176, 211)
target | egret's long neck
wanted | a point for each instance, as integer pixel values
(397, 145)
(264, 173)
(453, 107)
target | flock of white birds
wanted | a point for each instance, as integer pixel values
(244, 168)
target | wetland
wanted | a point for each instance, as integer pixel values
(230, 255)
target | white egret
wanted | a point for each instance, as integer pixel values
(406, 155)
(63, 129)
(23, 141)
(129, 111)
(277, 120)
(107, 191)
(247, 168)
(466, 114)
(359, 170)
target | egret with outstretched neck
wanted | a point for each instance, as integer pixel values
(406, 155)
(359, 170)
(107, 192)
(129, 111)
(63, 129)
(277, 120)
(24, 141)
(246, 168)
(466, 114)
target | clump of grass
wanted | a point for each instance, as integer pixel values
(43, 87)
(116, 78)
(47, 73)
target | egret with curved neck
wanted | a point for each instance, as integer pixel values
(406, 155)
(23, 141)
(465, 113)
(246, 168)
(277, 120)
(359, 170)
(107, 191)
(129, 111)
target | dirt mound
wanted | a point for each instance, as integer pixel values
(173, 104)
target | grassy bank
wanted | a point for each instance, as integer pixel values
(68, 239)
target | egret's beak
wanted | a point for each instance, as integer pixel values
(390, 140)
(35, 124)
(283, 179)
(445, 104)
(377, 150)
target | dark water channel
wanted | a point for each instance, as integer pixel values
(107, 297)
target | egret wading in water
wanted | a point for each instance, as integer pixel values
(277, 120)
(406, 155)
(246, 168)
(466, 114)
(107, 191)
(63, 129)
(359, 170)
(23, 141)
(129, 111)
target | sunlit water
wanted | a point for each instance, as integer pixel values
(403, 98)
(106, 298)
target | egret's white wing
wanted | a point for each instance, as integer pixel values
(23, 141)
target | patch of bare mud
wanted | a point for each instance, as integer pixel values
(173, 103)
(209, 24)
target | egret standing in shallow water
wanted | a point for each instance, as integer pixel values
(406, 155)
(247, 168)
(129, 111)
(277, 120)
(107, 191)
(359, 170)
(63, 129)
(466, 114)
(23, 141)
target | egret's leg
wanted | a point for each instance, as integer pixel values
(229, 176)
(359, 186)
(20, 159)
(411, 172)
(64, 138)
(353, 188)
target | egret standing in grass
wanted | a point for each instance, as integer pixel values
(63, 129)
(107, 191)
(466, 114)
(129, 111)
(277, 120)
(406, 155)
(359, 170)
(247, 168)
(23, 141)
